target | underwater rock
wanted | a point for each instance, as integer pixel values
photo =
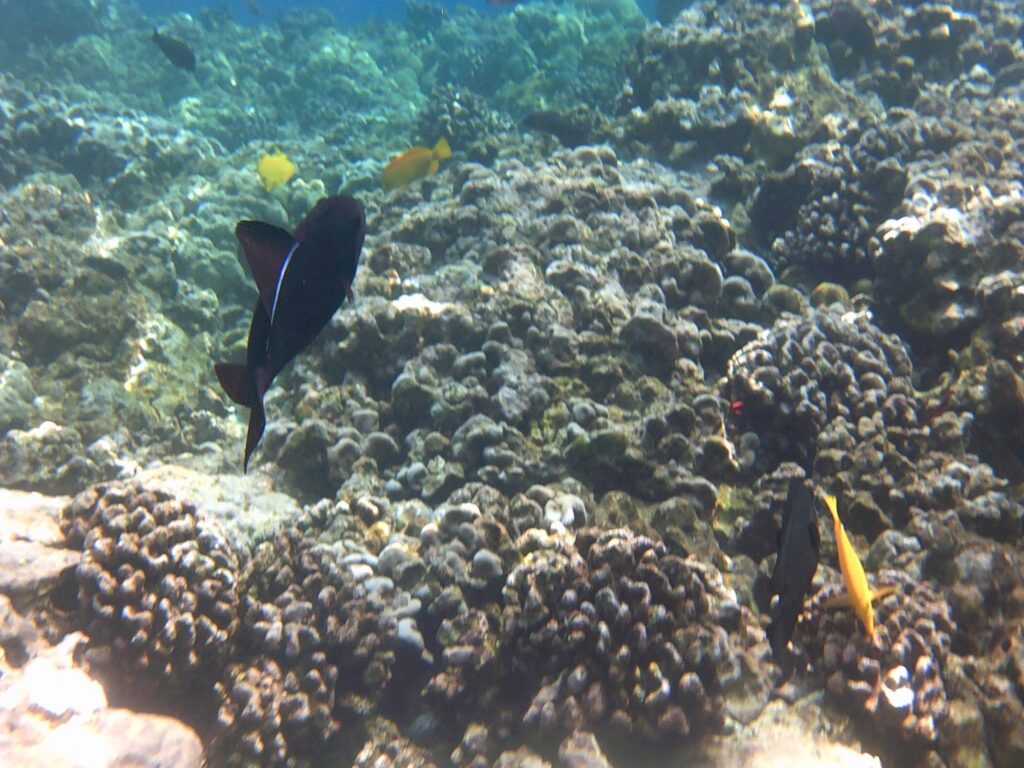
(31, 517)
(53, 713)
(785, 734)
(899, 51)
(939, 254)
(18, 408)
(387, 747)
(543, 340)
(35, 568)
(439, 357)
(581, 750)
(730, 79)
(46, 220)
(822, 213)
(537, 54)
(471, 126)
(48, 458)
(29, 570)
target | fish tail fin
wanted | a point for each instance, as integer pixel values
(442, 150)
(234, 378)
(830, 502)
(776, 639)
(257, 417)
(780, 632)
(781, 628)
(257, 423)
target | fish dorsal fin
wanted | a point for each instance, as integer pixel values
(266, 248)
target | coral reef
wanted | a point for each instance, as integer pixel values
(900, 50)
(544, 451)
(542, 55)
(299, 637)
(833, 393)
(895, 679)
(158, 586)
(732, 79)
(626, 635)
(500, 385)
(822, 214)
(948, 252)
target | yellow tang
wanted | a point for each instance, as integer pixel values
(275, 170)
(413, 164)
(853, 572)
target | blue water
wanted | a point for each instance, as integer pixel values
(347, 12)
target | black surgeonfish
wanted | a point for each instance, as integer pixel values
(799, 543)
(177, 52)
(302, 280)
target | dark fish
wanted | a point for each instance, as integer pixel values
(799, 542)
(254, 7)
(302, 280)
(177, 52)
(570, 132)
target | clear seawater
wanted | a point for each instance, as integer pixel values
(348, 12)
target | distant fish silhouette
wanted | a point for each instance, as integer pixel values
(569, 132)
(799, 544)
(177, 52)
(302, 280)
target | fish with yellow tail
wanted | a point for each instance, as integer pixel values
(414, 164)
(857, 589)
(274, 170)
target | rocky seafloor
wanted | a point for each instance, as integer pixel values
(518, 504)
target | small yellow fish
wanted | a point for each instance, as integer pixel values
(275, 170)
(853, 572)
(413, 164)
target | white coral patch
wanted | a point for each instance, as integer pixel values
(417, 302)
